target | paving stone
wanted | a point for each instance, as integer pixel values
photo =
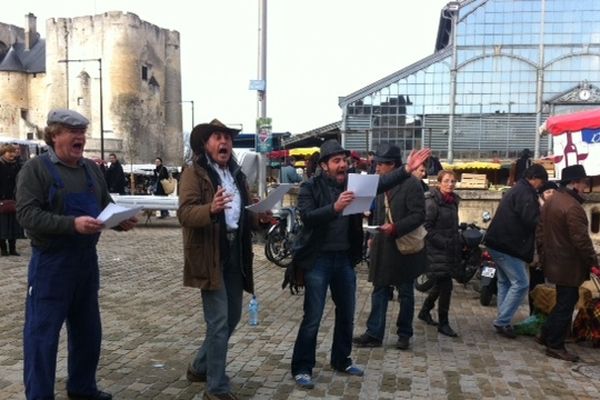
(152, 327)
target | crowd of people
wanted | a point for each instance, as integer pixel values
(59, 195)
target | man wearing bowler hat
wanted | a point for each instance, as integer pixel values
(217, 247)
(326, 251)
(388, 267)
(567, 256)
(59, 196)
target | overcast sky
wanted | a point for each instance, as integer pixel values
(317, 51)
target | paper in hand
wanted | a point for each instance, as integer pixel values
(364, 188)
(113, 215)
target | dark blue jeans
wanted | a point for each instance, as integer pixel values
(331, 270)
(379, 304)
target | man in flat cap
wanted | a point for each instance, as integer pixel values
(567, 255)
(59, 195)
(213, 194)
(326, 251)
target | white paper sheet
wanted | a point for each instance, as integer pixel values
(274, 197)
(365, 190)
(114, 214)
(371, 228)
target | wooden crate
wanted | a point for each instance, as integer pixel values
(473, 181)
(548, 166)
(432, 181)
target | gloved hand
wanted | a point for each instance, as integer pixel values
(294, 277)
(596, 271)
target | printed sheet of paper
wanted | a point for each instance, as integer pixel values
(114, 214)
(365, 190)
(274, 197)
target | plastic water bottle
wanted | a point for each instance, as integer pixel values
(253, 311)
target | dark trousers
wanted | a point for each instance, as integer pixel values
(331, 270)
(441, 291)
(557, 325)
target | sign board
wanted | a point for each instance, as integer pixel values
(264, 138)
(257, 85)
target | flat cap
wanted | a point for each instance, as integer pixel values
(67, 117)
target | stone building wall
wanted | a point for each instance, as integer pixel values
(141, 88)
(141, 85)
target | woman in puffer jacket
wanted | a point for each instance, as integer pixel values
(443, 249)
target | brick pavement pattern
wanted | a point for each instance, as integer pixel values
(152, 325)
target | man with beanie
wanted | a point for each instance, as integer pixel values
(326, 250)
(510, 241)
(567, 255)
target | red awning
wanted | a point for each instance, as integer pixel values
(278, 154)
(573, 122)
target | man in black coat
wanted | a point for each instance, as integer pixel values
(510, 240)
(405, 205)
(115, 177)
(326, 251)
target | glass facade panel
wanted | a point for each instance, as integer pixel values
(498, 62)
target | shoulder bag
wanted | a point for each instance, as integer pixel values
(413, 241)
(168, 184)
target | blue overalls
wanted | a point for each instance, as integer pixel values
(63, 283)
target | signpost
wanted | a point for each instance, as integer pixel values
(264, 142)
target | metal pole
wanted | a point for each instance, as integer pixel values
(539, 90)
(101, 112)
(192, 101)
(262, 94)
(452, 105)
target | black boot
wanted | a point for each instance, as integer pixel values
(444, 326)
(12, 247)
(3, 247)
(425, 316)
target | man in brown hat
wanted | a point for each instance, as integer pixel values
(326, 250)
(567, 256)
(217, 247)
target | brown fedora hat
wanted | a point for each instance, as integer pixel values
(202, 132)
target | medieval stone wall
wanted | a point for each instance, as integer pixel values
(141, 75)
(141, 85)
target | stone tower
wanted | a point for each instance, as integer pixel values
(134, 66)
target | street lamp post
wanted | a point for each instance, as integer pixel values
(99, 61)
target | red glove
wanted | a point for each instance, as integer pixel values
(596, 271)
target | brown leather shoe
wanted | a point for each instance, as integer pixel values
(194, 376)
(562, 354)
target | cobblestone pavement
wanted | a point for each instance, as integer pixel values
(152, 326)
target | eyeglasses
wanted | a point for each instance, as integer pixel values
(448, 181)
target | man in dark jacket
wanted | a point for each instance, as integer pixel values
(567, 255)
(510, 241)
(326, 251)
(115, 178)
(388, 267)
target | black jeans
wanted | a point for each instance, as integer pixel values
(557, 325)
(442, 290)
